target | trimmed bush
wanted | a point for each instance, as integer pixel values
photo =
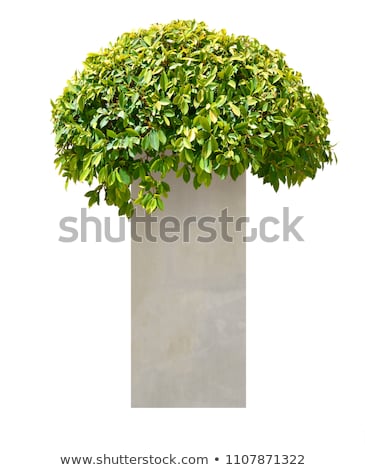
(179, 97)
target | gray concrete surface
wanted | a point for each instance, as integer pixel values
(188, 306)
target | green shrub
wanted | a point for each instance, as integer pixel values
(180, 97)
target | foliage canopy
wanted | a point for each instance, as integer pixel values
(181, 97)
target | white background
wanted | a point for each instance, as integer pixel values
(65, 308)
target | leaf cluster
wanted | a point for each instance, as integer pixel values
(179, 97)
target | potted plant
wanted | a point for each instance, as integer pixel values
(182, 99)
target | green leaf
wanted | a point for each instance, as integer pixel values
(192, 134)
(103, 174)
(151, 205)
(200, 96)
(146, 142)
(196, 182)
(211, 77)
(104, 121)
(131, 132)
(208, 166)
(220, 101)
(111, 134)
(154, 140)
(183, 105)
(147, 40)
(125, 178)
(213, 116)
(207, 149)
(214, 143)
(205, 178)
(204, 122)
(129, 210)
(84, 174)
(251, 100)
(264, 134)
(235, 109)
(189, 155)
(156, 165)
(111, 178)
(147, 76)
(162, 137)
(289, 145)
(255, 165)
(289, 122)
(186, 174)
(81, 103)
(164, 81)
(99, 133)
(121, 100)
(165, 187)
(160, 204)
(179, 172)
(165, 102)
(234, 172)
(135, 98)
(93, 197)
(169, 113)
(97, 159)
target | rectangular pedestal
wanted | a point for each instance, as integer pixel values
(188, 299)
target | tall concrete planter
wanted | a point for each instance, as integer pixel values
(188, 301)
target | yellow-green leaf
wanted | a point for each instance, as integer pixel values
(235, 109)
